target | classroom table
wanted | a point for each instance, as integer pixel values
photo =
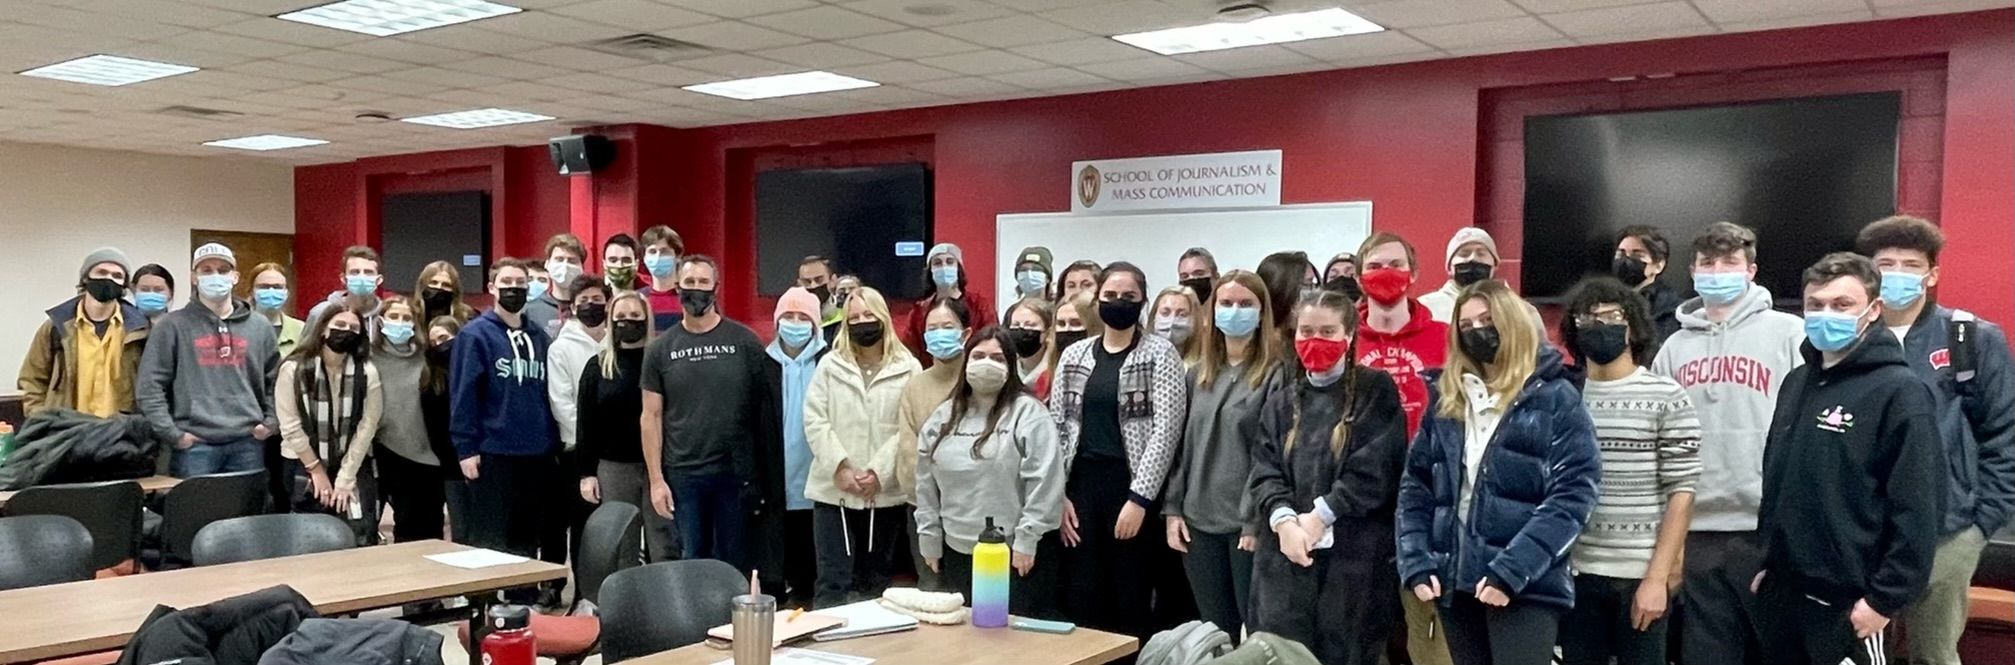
(100, 615)
(945, 645)
(148, 485)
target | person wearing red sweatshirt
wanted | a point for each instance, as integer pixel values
(1399, 336)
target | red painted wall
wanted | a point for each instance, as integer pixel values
(1406, 136)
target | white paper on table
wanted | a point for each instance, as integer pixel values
(795, 656)
(476, 558)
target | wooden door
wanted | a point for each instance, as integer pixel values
(251, 249)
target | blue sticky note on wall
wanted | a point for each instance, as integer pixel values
(911, 248)
(472, 260)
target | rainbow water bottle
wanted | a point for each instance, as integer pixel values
(990, 578)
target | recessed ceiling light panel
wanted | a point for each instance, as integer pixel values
(384, 18)
(110, 70)
(477, 118)
(1275, 29)
(264, 142)
(781, 85)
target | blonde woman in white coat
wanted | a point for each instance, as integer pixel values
(859, 495)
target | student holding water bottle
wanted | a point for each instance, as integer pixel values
(990, 454)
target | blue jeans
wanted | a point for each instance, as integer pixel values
(207, 458)
(708, 511)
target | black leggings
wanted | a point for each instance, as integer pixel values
(1220, 577)
(857, 550)
(1516, 634)
(416, 494)
(1107, 582)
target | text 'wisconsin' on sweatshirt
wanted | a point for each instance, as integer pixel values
(497, 391)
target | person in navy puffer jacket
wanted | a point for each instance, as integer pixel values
(1498, 485)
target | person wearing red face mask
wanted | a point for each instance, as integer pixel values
(1399, 336)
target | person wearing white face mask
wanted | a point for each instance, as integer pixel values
(547, 303)
(1731, 354)
(1965, 362)
(207, 375)
(1853, 481)
(989, 454)
(1178, 316)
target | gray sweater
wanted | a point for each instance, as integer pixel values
(207, 376)
(1207, 487)
(1017, 478)
(402, 428)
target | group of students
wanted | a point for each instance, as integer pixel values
(1308, 452)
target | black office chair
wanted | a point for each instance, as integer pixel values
(109, 510)
(269, 537)
(198, 501)
(43, 549)
(665, 606)
(609, 543)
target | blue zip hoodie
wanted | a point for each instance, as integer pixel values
(797, 378)
(497, 391)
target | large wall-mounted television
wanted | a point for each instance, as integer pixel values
(418, 229)
(872, 221)
(1805, 173)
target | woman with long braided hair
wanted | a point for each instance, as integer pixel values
(1325, 480)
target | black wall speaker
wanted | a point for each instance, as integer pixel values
(581, 153)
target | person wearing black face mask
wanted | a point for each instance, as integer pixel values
(1649, 435)
(1119, 402)
(580, 339)
(1472, 258)
(1198, 271)
(439, 292)
(328, 399)
(1641, 252)
(86, 354)
(712, 429)
(1028, 322)
(609, 465)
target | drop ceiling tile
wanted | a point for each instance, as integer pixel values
(897, 72)
(733, 36)
(1081, 51)
(527, 92)
(743, 8)
(737, 65)
(1648, 35)
(476, 40)
(821, 55)
(1020, 30)
(390, 86)
(967, 87)
(663, 74)
(1800, 21)
(1044, 5)
(289, 32)
(1125, 16)
(980, 63)
(1049, 79)
(1629, 20)
(607, 104)
(1355, 47)
(678, 97)
(171, 12)
(333, 95)
(506, 68)
(95, 22)
(234, 80)
(475, 98)
(216, 41)
(1492, 49)
(1552, 6)
(280, 99)
(596, 83)
(826, 22)
(1896, 8)
(927, 13)
(1143, 69)
(69, 44)
(183, 55)
(547, 27)
(265, 7)
(1422, 13)
(1251, 57)
(442, 77)
(892, 95)
(349, 62)
(678, 116)
(393, 48)
(1485, 33)
(911, 44)
(574, 57)
(641, 15)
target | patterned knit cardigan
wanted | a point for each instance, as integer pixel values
(1153, 397)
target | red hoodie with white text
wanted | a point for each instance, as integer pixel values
(1406, 354)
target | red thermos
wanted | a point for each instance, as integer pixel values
(510, 640)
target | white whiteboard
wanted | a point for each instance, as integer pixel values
(1154, 240)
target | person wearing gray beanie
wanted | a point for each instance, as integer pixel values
(110, 255)
(87, 351)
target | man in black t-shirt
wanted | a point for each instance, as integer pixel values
(711, 427)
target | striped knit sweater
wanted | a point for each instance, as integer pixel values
(1650, 439)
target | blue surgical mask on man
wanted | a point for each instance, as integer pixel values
(214, 286)
(943, 343)
(945, 276)
(1239, 322)
(660, 265)
(1720, 288)
(397, 332)
(1831, 331)
(537, 289)
(269, 299)
(796, 334)
(1901, 289)
(361, 285)
(151, 302)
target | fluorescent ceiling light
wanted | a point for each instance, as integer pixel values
(476, 118)
(265, 142)
(1276, 29)
(781, 85)
(384, 18)
(109, 70)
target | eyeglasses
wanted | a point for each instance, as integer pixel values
(1612, 317)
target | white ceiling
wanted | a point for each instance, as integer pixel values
(289, 78)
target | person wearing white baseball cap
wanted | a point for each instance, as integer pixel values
(206, 379)
(1471, 258)
(86, 353)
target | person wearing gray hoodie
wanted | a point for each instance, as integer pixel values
(1731, 354)
(206, 378)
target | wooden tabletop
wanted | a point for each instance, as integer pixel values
(149, 485)
(99, 615)
(945, 645)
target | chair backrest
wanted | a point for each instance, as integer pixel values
(43, 549)
(665, 606)
(609, 543)
(110, 511)
(198, 501)
(268, 537)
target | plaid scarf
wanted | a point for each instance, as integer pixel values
(333, 411)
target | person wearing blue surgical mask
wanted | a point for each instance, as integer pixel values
(1975, 404)
(204, 381)
(797, 350)
(945, 267)
(409, 471)
(269, 297)
(153, 290)
(361, 279)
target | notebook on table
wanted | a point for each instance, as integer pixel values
(862, 619)
(787, 629)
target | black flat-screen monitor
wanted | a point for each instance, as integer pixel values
(418, 229)
(872, 221)
(1806, 174)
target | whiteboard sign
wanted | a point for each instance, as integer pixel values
(1214, 180)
